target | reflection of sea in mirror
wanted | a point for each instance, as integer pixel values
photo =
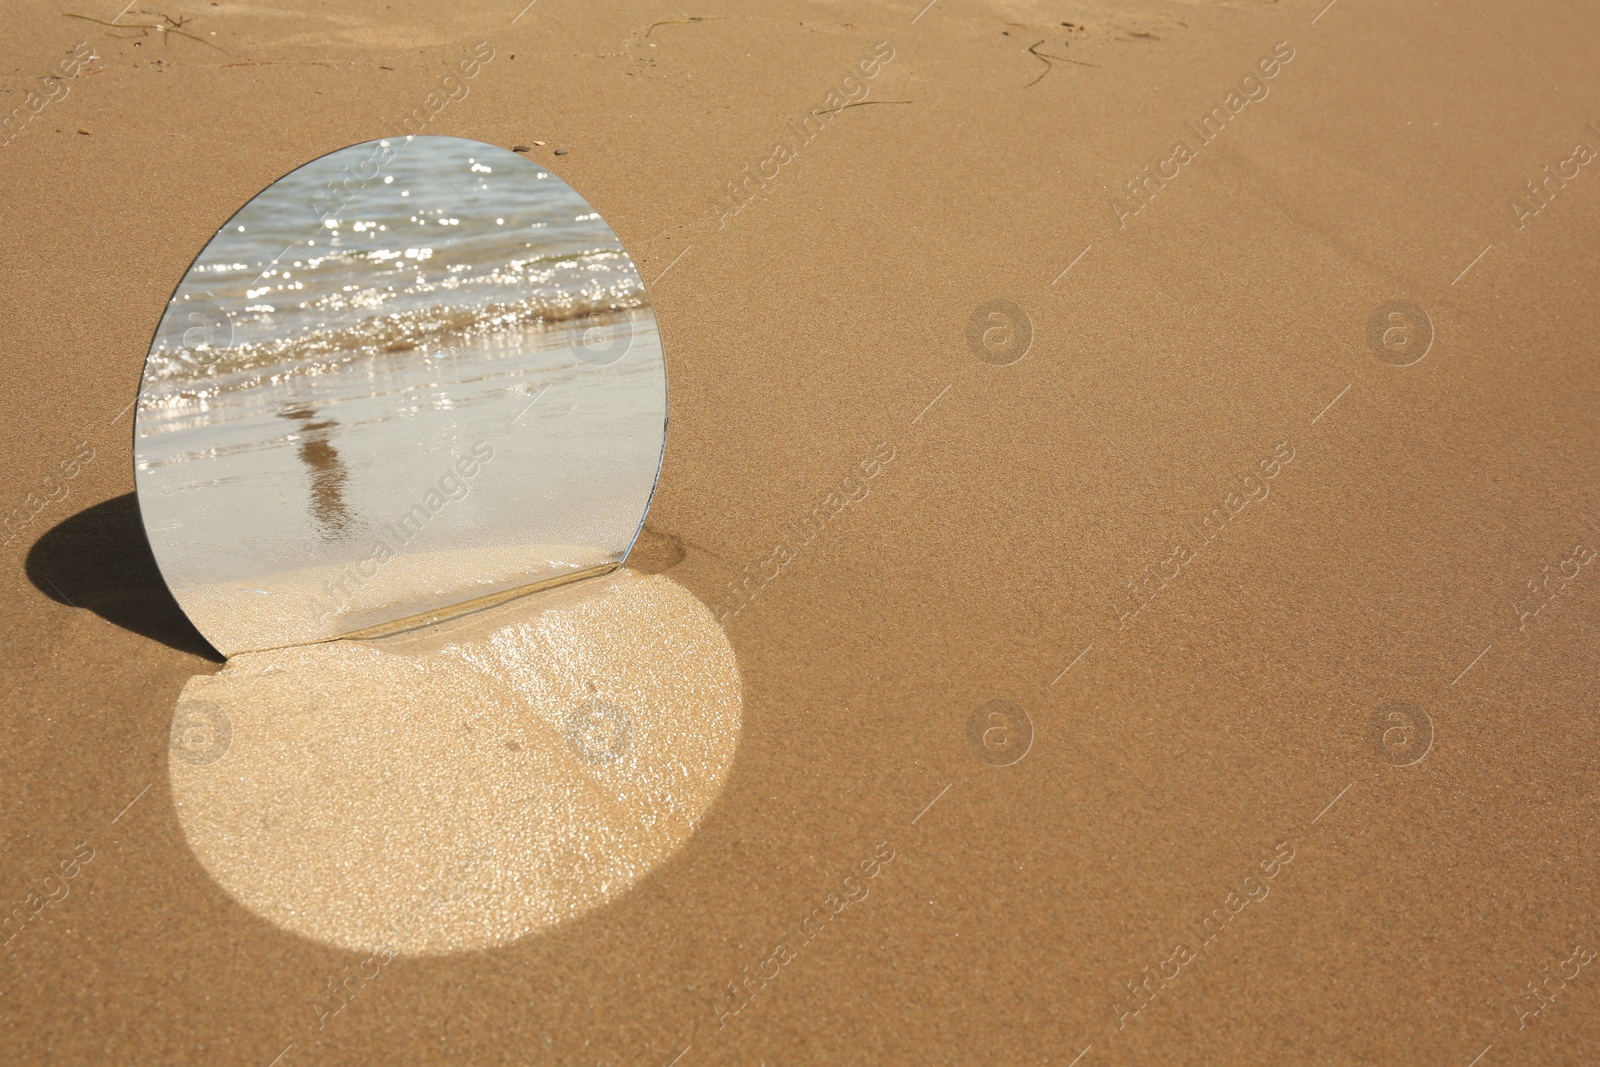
(327, 473)
(468, 783)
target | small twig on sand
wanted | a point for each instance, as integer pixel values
(282, 63)
(1045, 58)
(858, 103)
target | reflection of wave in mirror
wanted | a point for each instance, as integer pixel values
(433, 331)
(453, 240)
(473, 372)
(464, 785)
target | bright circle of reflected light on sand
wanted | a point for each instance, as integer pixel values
(466, 784)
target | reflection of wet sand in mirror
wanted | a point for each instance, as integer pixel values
(328, 473)
(469, 783)
(549, 444)
(351, 599)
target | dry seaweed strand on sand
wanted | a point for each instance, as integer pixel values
(171, 25)
(682, 22)
(1045, 58)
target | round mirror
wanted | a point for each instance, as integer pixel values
(410, 379)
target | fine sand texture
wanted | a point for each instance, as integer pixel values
(466, 783)
(1141, 456)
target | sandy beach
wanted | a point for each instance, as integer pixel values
(1134, 451)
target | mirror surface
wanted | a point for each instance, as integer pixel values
(408, 378)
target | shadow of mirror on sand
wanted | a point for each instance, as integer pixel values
(100, 560)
